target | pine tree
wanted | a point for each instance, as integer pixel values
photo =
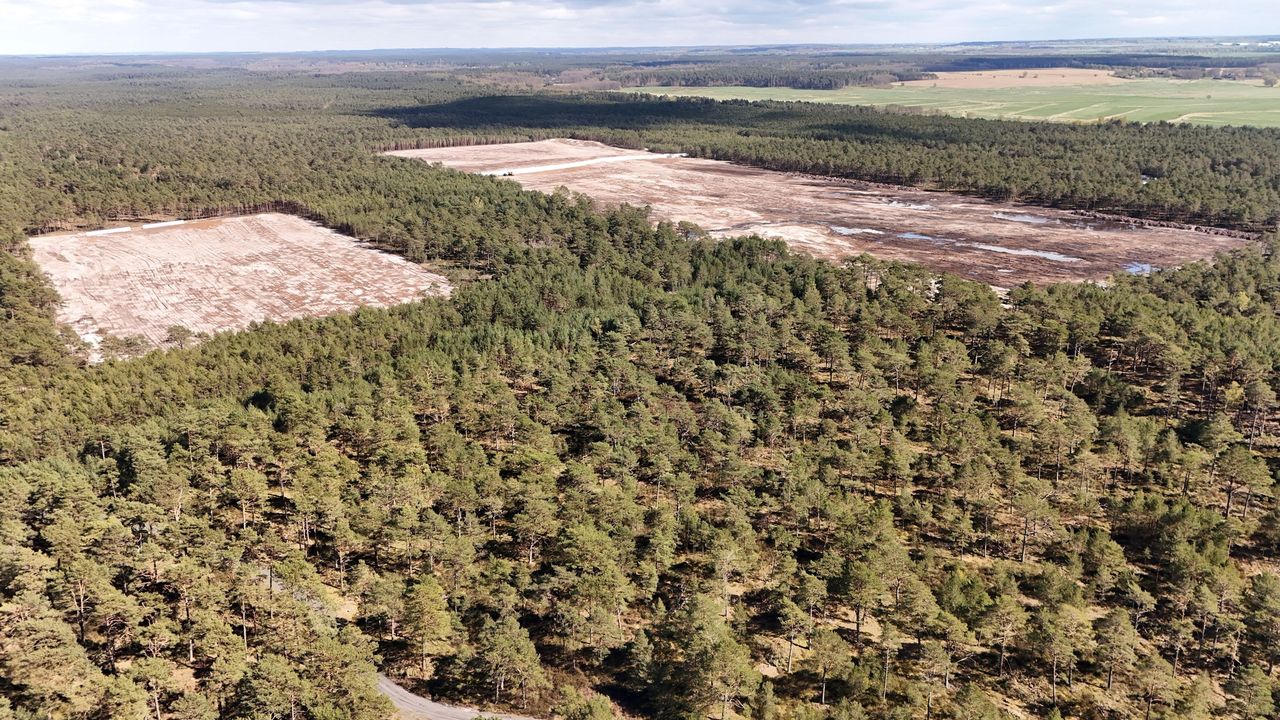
(1116, 640)
(427, 620)
(828, 653)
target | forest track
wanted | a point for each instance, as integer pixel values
(416, 707)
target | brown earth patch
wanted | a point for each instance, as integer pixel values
(496, 159)
(1001, 244)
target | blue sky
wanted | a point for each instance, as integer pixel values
(87, 26)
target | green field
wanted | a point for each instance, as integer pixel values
(1207, 102)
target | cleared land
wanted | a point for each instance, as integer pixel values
(534, 157)
(511, 157)
(1041, 96)
(219, 274)
(999, 244)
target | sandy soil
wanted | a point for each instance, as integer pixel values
(219, 274)
(496, 159)
(999, 244)
(1043, 77)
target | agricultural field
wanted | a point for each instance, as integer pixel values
(1058, 94)
(1000, 244)
(220, 274)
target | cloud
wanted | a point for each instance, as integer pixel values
(86, 26)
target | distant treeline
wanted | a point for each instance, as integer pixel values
(800, 78)
(849, 70)
(1030, 62)
(1229, 177)
(799, 66)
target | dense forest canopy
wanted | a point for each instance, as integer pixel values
(632, 470)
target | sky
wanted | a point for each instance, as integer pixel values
(122, 26)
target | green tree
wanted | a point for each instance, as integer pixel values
(273, 689)
(1055, 637)
(1196, 700)
(1116, 640)
(935, 665)
(828, 653)
(155, 677)
(973, 704)
(1155, 681)
(427, 620)
(698, 663)
(46, 666)
(1240, 469)
(509, 658)
(890, 643)
(577, 705)
(764, 706)
(1004, 624)
(1262, 616)
(1252, 694)
(794, 622)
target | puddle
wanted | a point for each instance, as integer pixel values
(910, 206)
(841, 230)
(1140, 268)
(1043, 254)
(1021, 217)
(1106, 226)
(1021, 252)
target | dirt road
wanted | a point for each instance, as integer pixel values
(414, 707)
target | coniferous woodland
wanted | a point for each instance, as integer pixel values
(805, 77)
(628, 470)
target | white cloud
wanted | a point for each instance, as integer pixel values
(87, 26)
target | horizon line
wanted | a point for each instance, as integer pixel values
(545, 48)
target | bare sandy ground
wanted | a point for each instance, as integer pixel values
(219, 274)
(495, 159)
(530, 169)
(1000, 244)
(1043, 77)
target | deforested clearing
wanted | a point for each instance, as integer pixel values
(1001, 244)
(219, 274)
(522, 158)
